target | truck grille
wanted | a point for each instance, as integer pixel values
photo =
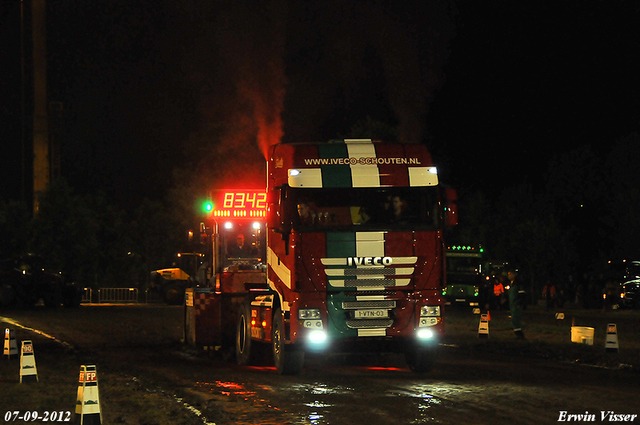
(369, 323)
(382, 293)
(361, 292)
(372, 272)
(353, 283)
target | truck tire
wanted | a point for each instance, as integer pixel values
(288, 358)
(173, 294)
(421, 359)
(244, 354)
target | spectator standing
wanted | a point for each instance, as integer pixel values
(498, 293)
(516, 301)
(549, 294)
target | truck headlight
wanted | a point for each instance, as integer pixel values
(425, 334)
(308, 313)
(430, 311)
(317, 337)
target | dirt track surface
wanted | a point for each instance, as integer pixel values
(146, 375)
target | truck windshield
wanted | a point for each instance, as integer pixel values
(415, 208)
(243, 244)
(463, 269)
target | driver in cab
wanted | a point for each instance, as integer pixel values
(240, 249)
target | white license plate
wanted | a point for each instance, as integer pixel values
(371, 314)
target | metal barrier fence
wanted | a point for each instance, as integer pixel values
(120, 295)
(111, 295)
(87, 295)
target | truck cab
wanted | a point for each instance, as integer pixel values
(466, 275)
(351, 255)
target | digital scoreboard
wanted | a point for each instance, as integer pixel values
(250, 204)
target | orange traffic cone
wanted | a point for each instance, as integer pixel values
(10, 345)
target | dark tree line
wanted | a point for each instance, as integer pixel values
(95, 242)
(585, 213)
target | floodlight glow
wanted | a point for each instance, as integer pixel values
(317, 336)
(425, 334)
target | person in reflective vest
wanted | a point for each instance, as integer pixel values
(498, 293)
(549, 294)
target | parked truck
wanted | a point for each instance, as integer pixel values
(466, 276)
(26, 280)
(343, 251)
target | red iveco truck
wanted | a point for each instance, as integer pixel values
(344, 251)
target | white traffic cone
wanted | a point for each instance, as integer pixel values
(28, 370)
(611, 343)
(483, 328)
(88, 401)
(10, 345)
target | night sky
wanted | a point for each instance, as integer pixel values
(495, 89)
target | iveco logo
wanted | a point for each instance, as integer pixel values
(369, 261)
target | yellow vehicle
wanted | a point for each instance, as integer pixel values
(170, 284)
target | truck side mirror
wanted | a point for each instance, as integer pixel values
(273, 213)
(279, 215)
(450, 207)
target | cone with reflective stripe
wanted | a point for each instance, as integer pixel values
(10, 345)
(28, 370)
(611, 343)
(88, 400)
(483, 328)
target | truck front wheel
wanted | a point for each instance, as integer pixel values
(420, 359)
(288, 358)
